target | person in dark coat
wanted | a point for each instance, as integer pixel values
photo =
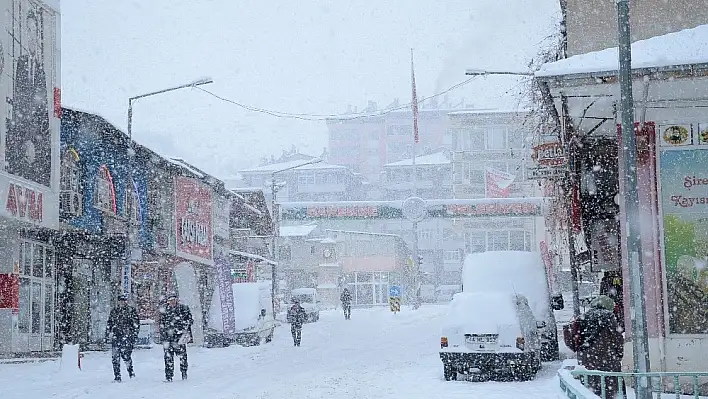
(296, 317)
(611, 285)
(175, 332)
(602, 345)
(346, 299)
(122, 332)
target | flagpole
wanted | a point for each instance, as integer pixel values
(416, 258)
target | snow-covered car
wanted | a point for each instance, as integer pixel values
(309, 301)
(490, 334)
(522, 272)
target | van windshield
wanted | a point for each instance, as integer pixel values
(306, 298)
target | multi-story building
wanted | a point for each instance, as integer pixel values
(315, 182)
(592, 25)
(365, 145)
(433, 177)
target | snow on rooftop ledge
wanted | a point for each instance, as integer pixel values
(689, 46)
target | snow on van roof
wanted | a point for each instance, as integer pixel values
(482, 312)
(509, 271)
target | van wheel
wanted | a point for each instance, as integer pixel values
(450, 373)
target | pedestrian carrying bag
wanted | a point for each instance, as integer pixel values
(572, 335)
(184, 339)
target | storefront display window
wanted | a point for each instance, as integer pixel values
(36, 299)
(684, 205)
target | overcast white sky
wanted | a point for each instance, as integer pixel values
(311, 56)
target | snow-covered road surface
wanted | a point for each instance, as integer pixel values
(376, 354)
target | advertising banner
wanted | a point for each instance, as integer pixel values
(30, 111)
(226, 295)
(684, 204)
(193, 218)
(32, 80)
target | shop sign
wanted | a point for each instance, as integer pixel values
(684, 205)
(493, 209)
(343, 211)
(226, 295)
(9, 291)
(549, 154)
(24, 203)
(545, 173)
(193, 216)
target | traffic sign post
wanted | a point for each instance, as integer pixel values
(394, 298)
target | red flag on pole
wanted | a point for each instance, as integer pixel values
(414, 102)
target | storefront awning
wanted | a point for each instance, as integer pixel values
(254, 257)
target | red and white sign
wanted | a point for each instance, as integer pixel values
(9, 291)
(193, 218)
(498, 183)
(549, 154)
(24, 203)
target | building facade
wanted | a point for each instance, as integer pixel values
(29, 176)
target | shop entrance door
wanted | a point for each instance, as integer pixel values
(37, 298)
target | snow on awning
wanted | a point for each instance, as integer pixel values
(297, 231)
(253, 256)
(327, 287)
(686, 47)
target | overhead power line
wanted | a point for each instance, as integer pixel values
(349, 116)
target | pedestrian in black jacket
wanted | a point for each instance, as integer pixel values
(175, 332)
(346, 299)
(122, 332)
(296, 317)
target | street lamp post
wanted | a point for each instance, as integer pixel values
(276, 227)
(640, 345)
(131, 160)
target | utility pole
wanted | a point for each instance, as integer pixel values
(640, 345)
(275, 213)
(570, 184)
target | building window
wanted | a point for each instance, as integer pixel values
(37, 292)
(496, 138)
(285, 253)
(105, 193)
(476, 241)
(452, 256)
(306, 178)
(132, 202)
(70, 172)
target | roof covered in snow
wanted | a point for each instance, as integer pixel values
(689, 46)
(183, 164)
(297, 231)
(291, 164)
(438, 158)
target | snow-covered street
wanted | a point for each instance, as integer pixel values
(375, 355)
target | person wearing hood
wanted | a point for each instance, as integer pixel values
(122, 333)
(602, 345)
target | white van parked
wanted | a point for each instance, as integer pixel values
(521, 272)
(490, 334)
(309, 301)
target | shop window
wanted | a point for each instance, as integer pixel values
(37, 261)
(70, 173)
(24, 311)
(105, 192)
(476, 241)
(285, 253)
(306, 178)
(363, 277)
(498, 241)
(517, 240)
(452, 256)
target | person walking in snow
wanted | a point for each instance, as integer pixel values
(175, 331)
(122, 332)
(296, 317)
(602, 344)
(346, 299)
